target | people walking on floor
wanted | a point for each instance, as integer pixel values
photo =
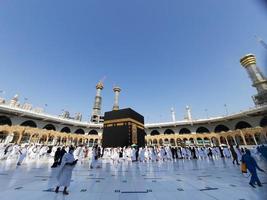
(234, 155)
(65, 172)
(210, 155)
(57, 158)
(252, 167)
(62, 153)
(95, 155)
(22, 155)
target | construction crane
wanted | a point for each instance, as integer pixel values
(261, 41)
(103, 79)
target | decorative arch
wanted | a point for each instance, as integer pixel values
(35, 138)
(96, 141)
(166, 141)
(5, 121)
(206, 141)
(202, 129)
(160, 142)
(242, 125)
(179, 142)
(168, 132)
(57, 139)
(50, 139)
(260, 138)
(65, 130)
(230, 140)
(50, 127)
(93, 132)
(223, 140)
(215, 141)
(91, 142)
(3, 136)
(154, 132)
(29, 123)
(172, 142)
(185, 140)
(75, 141)
(43, 139)
(221, 128)
(15, 138)
(80, 131)
(249, 139)
(192, 140)
(199, 141)
(184, 131)
(64, 141)
(80, 141)
(155, 142)
(239, 140)
(25, 138)
(263, 122)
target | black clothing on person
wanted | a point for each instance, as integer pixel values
(56, 158)
(62, 152)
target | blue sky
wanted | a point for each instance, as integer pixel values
(163, 54)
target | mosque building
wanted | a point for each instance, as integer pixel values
(24, 124)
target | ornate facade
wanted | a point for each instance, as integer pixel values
(245, 128)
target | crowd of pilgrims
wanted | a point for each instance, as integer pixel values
(146, 154)
(66, 158)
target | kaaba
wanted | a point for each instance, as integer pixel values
(123, 128)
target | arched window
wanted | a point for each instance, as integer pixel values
(5, 121)
(154, 132)
(50, 127)
(93, 132)
(168, 131)
(65, 130)
(263, 121)
(242, 125)
(172, 142)
(29, 123)
(184, 131)
(221, 128)
(79, 131)
(202, 130)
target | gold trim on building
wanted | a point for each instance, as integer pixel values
(248, 60)
(124, 120)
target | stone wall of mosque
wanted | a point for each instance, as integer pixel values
(243, 130)
(242, 137)
(27, 135)
(216, 126)
(12, 120)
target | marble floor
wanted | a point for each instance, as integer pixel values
(183, 179)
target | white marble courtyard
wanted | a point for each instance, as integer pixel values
(183, 179)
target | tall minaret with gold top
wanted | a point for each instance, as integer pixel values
(96, 114)
(117, 91)
(257, 78)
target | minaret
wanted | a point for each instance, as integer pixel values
(117, 91)
(257, 78)
(173, 115)
(98, 102)
(188, 113)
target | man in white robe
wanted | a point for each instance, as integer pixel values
(65, 171)
(22, 155)
(14, 152)
(141, 154)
